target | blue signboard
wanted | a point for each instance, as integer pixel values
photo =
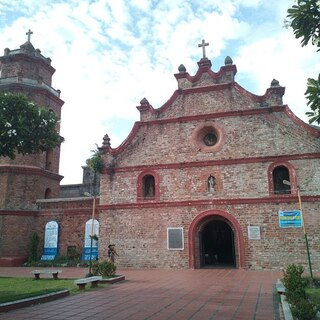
(290, 219)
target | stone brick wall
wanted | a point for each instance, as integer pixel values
(16, 229)
(254, 134)
(142, 243)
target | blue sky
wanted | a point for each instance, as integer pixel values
(109, 54)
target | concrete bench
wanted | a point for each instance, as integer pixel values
(81, 283)
(53, 272)
(280, 287)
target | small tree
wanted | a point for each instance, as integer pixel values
(33, 247)
(95, 163)
(26, 128)
(304, 19)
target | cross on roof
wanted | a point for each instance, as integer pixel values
(29, 33)
(203, 45)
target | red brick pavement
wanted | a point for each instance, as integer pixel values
(220, 294)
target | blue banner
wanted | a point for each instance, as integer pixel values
(290, 219)
(86, 254)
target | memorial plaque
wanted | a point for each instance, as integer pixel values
(254, 233)
(87, 241)
(175, 239)
(50, 241)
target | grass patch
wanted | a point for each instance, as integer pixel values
(12, 289)
(314, 294)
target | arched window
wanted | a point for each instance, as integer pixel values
(281, 180)
(48, 193)
(148, 186)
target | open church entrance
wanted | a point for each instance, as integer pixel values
(217, 247)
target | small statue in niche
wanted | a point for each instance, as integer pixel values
(211, 183)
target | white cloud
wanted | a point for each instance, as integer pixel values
(110, 54)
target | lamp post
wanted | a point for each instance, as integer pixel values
(303, 226)
(92, 222)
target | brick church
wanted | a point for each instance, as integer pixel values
(210, 179)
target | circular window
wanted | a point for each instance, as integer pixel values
(208, 137)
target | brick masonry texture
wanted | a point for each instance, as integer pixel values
(254, 135)
(253, 138)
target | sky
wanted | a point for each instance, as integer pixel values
(110, 54)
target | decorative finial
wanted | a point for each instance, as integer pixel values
(29, 33)
(202, 45)
(275, 83)
(106, 141)
(228, 61)
(182, 68)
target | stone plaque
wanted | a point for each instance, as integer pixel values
(175, 239)
(254, 233)
(50, 241)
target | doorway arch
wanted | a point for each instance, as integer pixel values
(210, 225)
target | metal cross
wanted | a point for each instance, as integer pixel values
(29, 33)
(203, 45)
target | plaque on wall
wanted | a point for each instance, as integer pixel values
(175, 239)
(254, 233)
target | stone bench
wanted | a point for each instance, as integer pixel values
(53, 272)
(280, 287)
(81, 283)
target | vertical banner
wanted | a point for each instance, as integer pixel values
(50, 241)
(87, 241)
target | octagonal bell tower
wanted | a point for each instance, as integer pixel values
(30, 177)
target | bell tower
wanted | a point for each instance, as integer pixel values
(30, 177)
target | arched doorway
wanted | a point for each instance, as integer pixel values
(204, 228)
(217, 247)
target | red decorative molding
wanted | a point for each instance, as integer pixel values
(18, 213)
(221, 162)
(206, 69)
(215, 213)
(287, 198)
(29, 170)
(313, 131)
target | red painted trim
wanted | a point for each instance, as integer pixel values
(287, 198)
(167, 104)
(222, 162)
(138, 124)
(292, 176)
(313, 131)
(41, 91)
(18, 213)
(206, 69)
(28, 170)
(75, 211)
(217, 213)
(26, 57)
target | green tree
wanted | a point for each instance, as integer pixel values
(304, 19)
(25, 128)
(96, 165)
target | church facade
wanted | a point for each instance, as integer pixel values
(213, 178)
